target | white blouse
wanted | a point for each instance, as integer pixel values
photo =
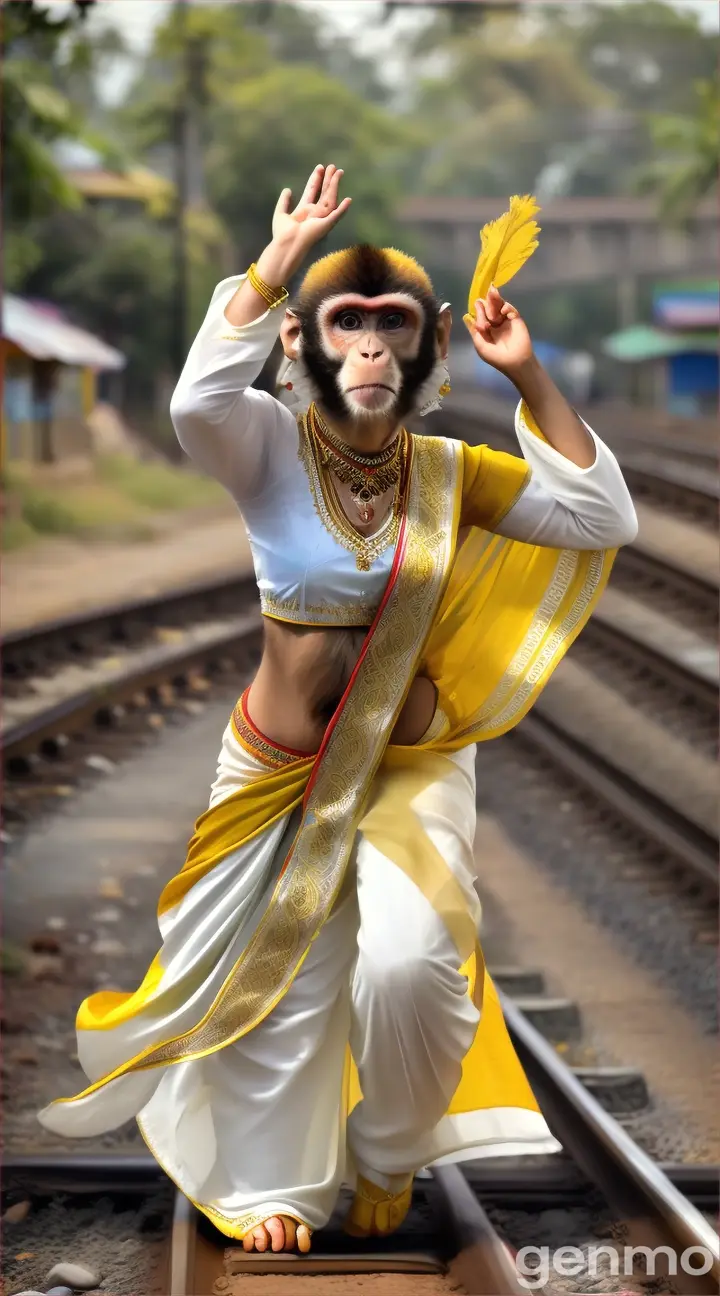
(306, 565)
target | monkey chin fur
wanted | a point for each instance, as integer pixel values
(376, 403)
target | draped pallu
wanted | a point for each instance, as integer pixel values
(487, 619)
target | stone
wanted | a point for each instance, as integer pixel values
(45, 967)
(17, 1213)
(59, 1291)
(101, 764)
(32, 1293)
(110, 914)
(25, 1057)
(110, 889)
(75, 1276)
(109, 948)
(56, 924)
(45, 943)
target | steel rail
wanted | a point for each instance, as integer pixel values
(471, 1251)
(26, 650)
(695, 849)
(510, 1181)
(169, 662)
(638, 1191)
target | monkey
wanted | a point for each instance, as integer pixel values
(350, 529)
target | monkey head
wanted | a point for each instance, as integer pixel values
(368, 333)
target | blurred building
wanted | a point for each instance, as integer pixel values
(672, 364)
(50, 373)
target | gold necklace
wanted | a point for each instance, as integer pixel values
(368, 476)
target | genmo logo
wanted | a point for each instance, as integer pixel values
(537, 1265)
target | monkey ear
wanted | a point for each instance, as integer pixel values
(290, 335)
(444, 326)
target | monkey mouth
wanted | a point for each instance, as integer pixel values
(371, 387)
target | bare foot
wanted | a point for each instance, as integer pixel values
(278, 1233)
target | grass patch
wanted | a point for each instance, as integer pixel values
(117, 503)
(159, 485)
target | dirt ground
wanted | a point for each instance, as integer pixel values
(59, 576)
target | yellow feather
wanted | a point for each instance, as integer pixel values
(506, 244)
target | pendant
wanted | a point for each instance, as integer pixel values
(362, 501)
(362, 562)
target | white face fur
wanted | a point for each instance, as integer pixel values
(371, 337)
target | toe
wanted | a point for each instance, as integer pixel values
(261, 1237)
(303, 1238)
(276, 1231)
(290, 1230)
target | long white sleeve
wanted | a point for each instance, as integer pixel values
(567, 507)
(228, 429)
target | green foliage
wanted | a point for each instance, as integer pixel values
(158, 486)
(687, 147)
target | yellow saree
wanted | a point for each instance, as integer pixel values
(487, 622)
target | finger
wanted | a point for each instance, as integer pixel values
(275, 1228)
(495, 299)
(330, 170)
(260, 1235)
(303, 1238)
(248, 1242)
(290, 1231)
(493, 306)
(482, 323)
(331, 193)
(334, 216)
(312, 188)
(283, 203)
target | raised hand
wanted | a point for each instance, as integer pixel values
(316, 213)
(294, 231)
(499, 335)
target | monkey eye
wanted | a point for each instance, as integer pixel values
(349, 320)
(393, 320)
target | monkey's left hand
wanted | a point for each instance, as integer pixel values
(499, 335)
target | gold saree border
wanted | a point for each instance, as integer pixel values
(546, 640)
(342, 775)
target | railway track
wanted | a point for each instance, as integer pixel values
(153, 664)
(684, 478)
(462, 1228)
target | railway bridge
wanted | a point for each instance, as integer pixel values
(584, 240)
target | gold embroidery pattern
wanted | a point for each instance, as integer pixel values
(521, 679)
(351, 614)
(328, 508)
(257, 745)
(314, 871)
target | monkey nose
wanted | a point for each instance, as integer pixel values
(372, 352)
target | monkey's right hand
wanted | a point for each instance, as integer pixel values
(296, 230)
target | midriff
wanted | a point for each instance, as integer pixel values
(302, 676)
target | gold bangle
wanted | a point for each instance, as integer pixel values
(273, 296)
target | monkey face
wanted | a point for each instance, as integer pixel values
(373, 340)
(369, 333)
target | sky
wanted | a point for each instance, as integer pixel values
(137, 19)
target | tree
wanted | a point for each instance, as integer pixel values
(264, 124)
(688, 148)
(36, 114)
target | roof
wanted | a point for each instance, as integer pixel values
(687, 305)
(643, 342)
(136, 185)
(42, 333)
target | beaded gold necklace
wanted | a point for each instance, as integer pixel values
(368, 476)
